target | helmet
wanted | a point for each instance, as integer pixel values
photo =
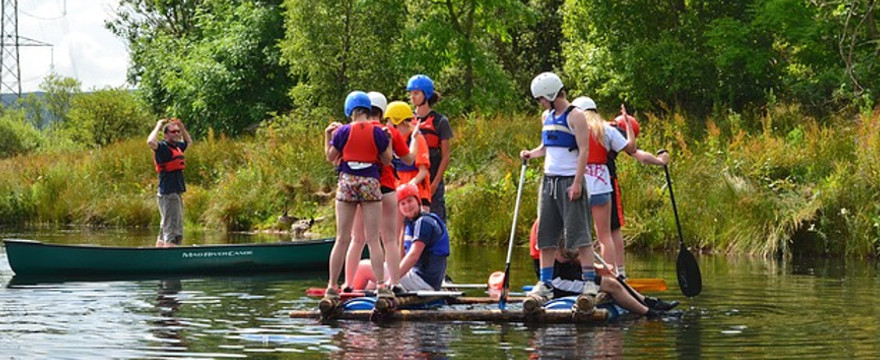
(546, 85)
(633, 122)
(406, 190)
(423, 83)
(398, 111)
(378, 100)
(356, 99)
(584, 103)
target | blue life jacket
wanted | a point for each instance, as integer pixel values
(440, 247)
(556, 131)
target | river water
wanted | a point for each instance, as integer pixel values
(749, 308)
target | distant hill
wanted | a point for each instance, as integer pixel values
(10, 100)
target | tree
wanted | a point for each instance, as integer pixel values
(333, 47)
(214, 64)
(456, 42)
(106, 116)
(59, 92)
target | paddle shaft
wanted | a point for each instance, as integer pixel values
(689, 279)
(506, 284)
(674, 207)
(620, 280)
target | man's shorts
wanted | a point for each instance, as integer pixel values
(557, 216)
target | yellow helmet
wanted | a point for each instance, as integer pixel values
(398, 111)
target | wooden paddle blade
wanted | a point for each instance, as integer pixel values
(689, 279)
(647, 284)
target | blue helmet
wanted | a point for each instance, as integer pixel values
(356, 99)
(423, 83)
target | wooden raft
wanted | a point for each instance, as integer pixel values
(542, 317)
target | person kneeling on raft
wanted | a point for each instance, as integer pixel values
(425, 245)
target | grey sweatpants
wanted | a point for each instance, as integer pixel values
(557, 216)
(171, 210)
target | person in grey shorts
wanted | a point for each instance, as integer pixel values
(563, 208)
(169, 160)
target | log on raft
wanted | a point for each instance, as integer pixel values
(541, 317)
(468, 300)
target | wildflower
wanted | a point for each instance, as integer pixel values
(843, 211)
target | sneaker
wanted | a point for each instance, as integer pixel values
(331, 294)
(536, 298)
(542, 290)
(657, 304)
(384, 292)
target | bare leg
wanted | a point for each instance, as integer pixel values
(602, 219)
(585, 255)
(372, 214)
(622, 297)
(617, 236)
(358, 240)
(548, 257)
(344, 218)
(389, 236)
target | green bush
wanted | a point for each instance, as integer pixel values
(17, 136)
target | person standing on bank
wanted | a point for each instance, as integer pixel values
(437, 132)
(562, 200)
(169, 161)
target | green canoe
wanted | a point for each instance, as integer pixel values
(29, 258)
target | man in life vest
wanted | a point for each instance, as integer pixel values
(562, 203)
(169, 161)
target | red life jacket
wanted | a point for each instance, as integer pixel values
(361, 146)
(429, 130)
(598, 153)
(176, 163)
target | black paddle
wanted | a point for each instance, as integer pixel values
(505, 288)
(689, 279)
(620, 279)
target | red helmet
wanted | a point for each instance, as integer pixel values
(406, 190)
(632, 120)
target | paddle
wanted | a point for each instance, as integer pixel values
(620, 279)
(689, 279)
(502, 300)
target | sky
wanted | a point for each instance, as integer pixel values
(82, 47)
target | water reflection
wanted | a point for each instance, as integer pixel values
(365, 340)
(750, 308)
(167, 325)
(576, 342)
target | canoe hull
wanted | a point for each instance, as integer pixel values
(32, 258)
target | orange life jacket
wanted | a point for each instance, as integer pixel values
(176, 163)
(598, 153)
(429, 130)
(361, 146)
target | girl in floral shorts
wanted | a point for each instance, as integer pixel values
(357, 149)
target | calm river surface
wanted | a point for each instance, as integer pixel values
(749, 308)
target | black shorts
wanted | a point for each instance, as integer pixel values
(385, 189)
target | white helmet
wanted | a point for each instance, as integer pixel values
(546, 85)
(584, 103)
(378, 100)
